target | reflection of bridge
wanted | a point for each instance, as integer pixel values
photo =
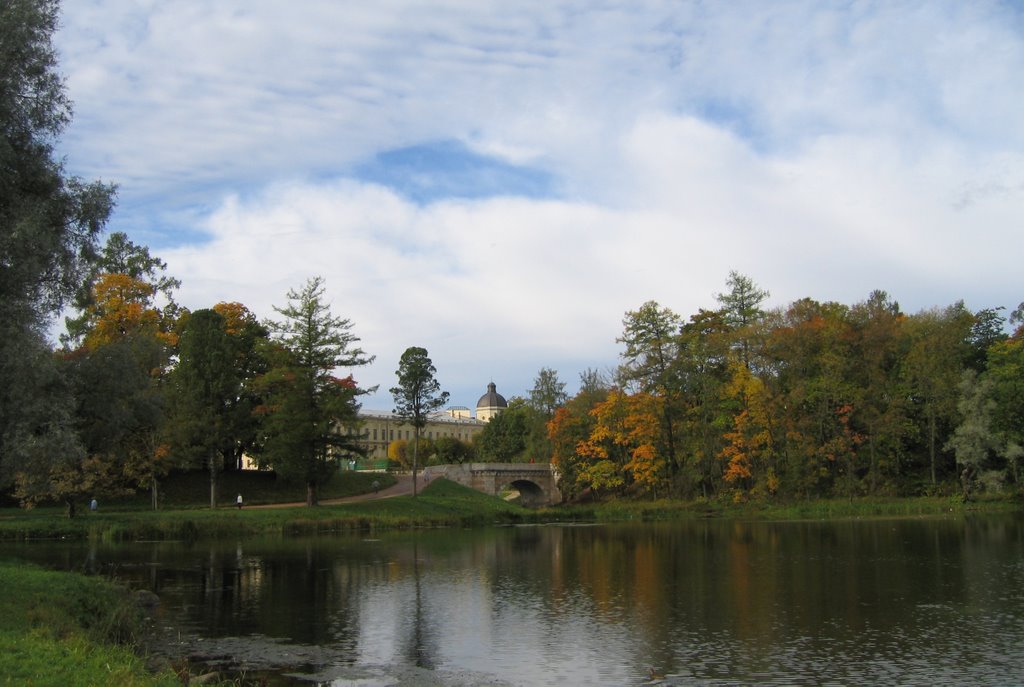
(535, 482)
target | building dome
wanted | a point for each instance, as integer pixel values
(490, 403)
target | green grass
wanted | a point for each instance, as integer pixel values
(441, 503)
(817, 509)
(257, 487)
(64, 629)
(876, 507)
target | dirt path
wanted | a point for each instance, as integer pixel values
(402, 487)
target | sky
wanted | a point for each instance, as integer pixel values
(500, 183)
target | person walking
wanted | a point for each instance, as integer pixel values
(238, 502)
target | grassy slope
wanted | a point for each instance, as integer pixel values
(61, 629)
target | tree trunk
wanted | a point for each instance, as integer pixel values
(415, 457)
(154, 487)
(965, 482)
(931, 443)
(70, 502)
(873, 483)
(311, 497)
(213, 482)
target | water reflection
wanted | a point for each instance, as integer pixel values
(910, 602)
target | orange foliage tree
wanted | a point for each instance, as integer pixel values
(622, 447)
(571, 425)
(122, 306)
(749, 451)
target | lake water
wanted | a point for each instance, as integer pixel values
(908, 602)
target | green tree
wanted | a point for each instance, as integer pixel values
(593, 382)
(247, 338)
(49, 223)
(986, 331)
(876, 336)
(706, 417)
(932, 368)
(309, 414)
(741, 309)
(505, 438)
(974, 440)
(1017, 320)
(204, 385)
(547, 396)
(1006, 373)
(812, 397)
(650, 365)
(548, 393)
(42, 446)
(120, 415)
(451, 450)
(417, 395)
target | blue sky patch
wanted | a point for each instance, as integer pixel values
(447, 169)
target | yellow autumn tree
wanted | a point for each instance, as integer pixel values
(122, 306)
(601, 459)
(398, 451)
(749, 447)
(624, 442)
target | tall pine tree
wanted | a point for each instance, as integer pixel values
(310, 414)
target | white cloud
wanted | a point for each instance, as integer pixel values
(824, 150)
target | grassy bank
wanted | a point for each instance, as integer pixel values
(442, 503)
(64, 629)
(818, 509)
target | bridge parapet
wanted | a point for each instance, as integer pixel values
(536, 482)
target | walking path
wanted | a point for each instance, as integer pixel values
(401, 488)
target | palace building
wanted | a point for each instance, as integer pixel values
(380, 428)
(490, 404)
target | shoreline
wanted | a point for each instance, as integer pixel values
(41, 640)
(445, 504)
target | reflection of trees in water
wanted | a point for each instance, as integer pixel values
(421, 642)
(305, 593)
(682, 596)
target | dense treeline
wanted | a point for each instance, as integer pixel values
(152, 387)
(139, 386)
(814, 399)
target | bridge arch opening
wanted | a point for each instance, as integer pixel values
(524, 492)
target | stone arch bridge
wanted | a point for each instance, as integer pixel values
(537, 483)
